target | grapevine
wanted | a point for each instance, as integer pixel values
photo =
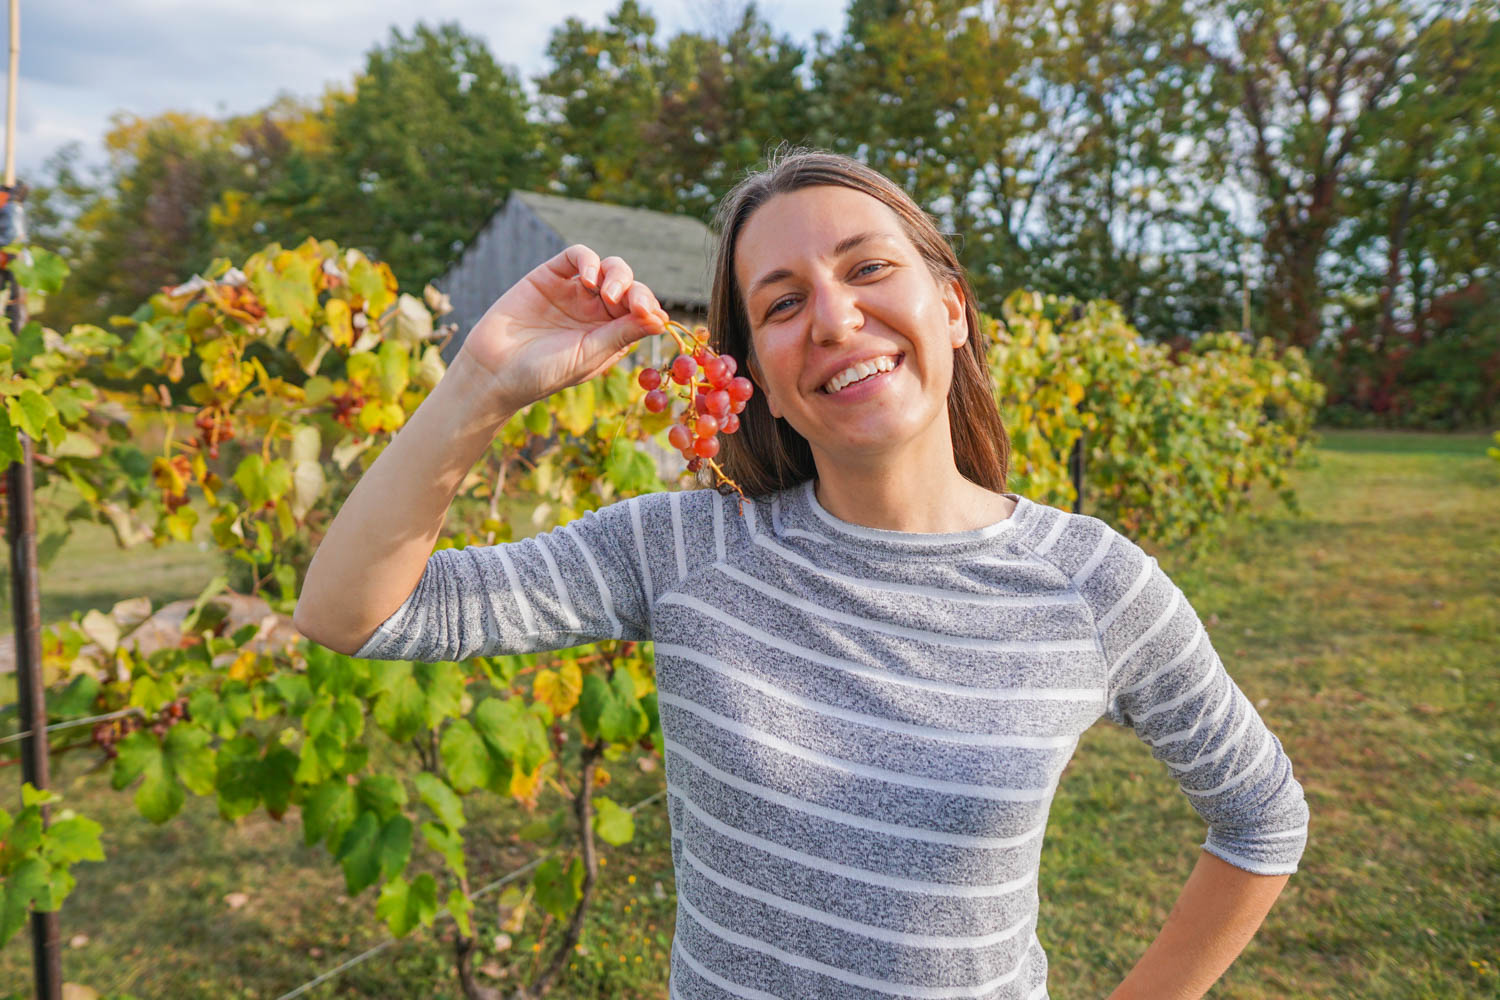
(714, 396)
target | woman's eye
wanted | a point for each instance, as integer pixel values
(859, 272)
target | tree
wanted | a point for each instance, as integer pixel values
(935, 94)
(427, 149)
(670, 127)
(1423, 220)
(1135, 211)
(1297, 85)
(602, 92)
(176, 191)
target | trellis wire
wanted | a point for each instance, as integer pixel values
(71, 723)
(443, 912)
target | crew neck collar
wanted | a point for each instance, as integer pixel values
(803, 506)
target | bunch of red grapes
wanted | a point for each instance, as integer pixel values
(110, 732)
(714, 396)
(213, 429)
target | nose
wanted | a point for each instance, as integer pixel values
(835, 312)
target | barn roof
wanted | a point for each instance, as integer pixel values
(672, 254)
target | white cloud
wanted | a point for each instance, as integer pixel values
(83, 60)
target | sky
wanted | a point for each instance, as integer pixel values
(84, 60)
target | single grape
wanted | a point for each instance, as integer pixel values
(708, 425)
(741, 388)
(706, 447)
(718, 402)
(716, 371)
(738, 406)
(700, 403)
(649, 378)
(729, 362)
(694, 464)
(656, 401)
(680, 436)
(683, 368)
(731, 424)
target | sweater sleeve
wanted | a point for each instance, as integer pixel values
(578, 583)
(1166, 682)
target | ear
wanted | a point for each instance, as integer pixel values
(953, 304)
(760, 382)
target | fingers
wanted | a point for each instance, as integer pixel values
(581, 261)
(615, 283)
(615, 278)
(646, 309)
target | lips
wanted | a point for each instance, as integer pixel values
(858, 371)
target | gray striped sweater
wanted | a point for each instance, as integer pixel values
(864, 729)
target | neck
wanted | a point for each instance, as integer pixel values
(923, 494)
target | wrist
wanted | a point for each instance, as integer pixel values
(480, 390)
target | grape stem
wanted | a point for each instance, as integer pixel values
(681, 345)
(724, 478)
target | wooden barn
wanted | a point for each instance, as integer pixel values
(672, 254)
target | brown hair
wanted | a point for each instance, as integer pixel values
(766, 454)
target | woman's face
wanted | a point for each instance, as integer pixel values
(831, 282)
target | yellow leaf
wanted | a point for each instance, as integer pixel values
(338, 323)
(243, 667)
(559, 689)
(523, 786)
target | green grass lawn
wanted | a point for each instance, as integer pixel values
(1364, 630)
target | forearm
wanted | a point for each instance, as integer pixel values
(377, 546)
(1217, 914)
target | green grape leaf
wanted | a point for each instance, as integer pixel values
(395, 846)
(442, 685)
(511, 732)
(400, 708)
(328, 811)
(557, 891)
(31, 412)
(460, 906)
(24, 884)
(381, 794)
(133, 755)
(612, 822)
(403, 906)
(448, 843)
(465, 757)
(191, 758)
(442, 800)
(359, 853)
(592, 702)
(159, 796)
(75, 700)
(73, 839)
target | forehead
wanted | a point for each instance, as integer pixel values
(800, 226)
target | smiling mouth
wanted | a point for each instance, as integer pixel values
(864, 371)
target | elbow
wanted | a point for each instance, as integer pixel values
(312, 631)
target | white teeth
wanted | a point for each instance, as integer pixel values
(856, 372)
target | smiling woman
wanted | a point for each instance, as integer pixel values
(872, 673)
(844, 272)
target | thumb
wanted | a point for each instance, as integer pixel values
(617, 336)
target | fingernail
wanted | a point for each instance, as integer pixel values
(590, 276)
(612, 290)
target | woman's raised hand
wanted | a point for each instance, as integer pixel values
(565, 322)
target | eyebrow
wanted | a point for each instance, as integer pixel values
(844, 246)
